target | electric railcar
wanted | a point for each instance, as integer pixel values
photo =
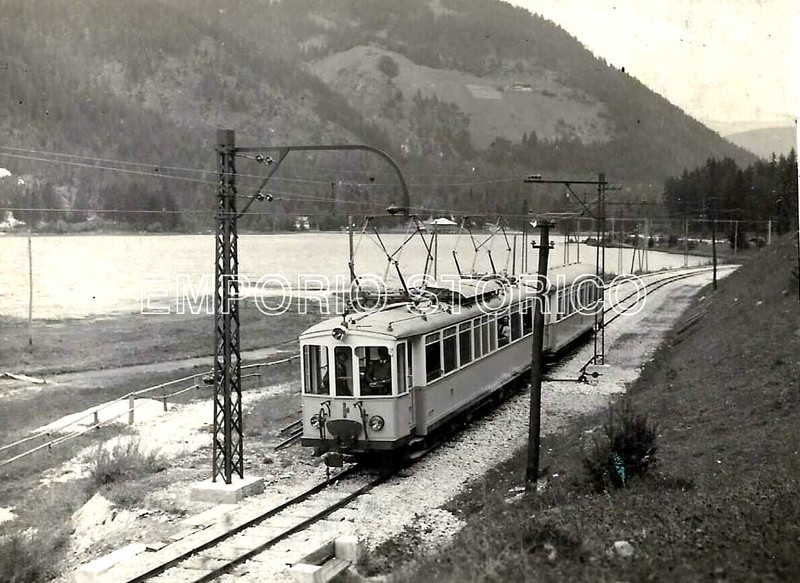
(383, 381)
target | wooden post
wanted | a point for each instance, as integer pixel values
(130, 410)
(714, 248)
(534, 413)
(30, 291)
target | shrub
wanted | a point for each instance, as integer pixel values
(30, 557)
(388, 66)
(625, 450)
(125, 461)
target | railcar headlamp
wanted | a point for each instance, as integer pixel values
(315, 421)
(376, 422)
(338, 333)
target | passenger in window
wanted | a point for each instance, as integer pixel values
(503, 330)
(379, 373)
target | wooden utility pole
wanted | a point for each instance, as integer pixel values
(30, 291)
(714, 247)
(535, 413)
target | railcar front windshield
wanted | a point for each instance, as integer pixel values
(345, 371)
(375, 371)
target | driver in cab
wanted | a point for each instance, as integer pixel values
(379, 374)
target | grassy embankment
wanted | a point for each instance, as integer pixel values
(722, 502)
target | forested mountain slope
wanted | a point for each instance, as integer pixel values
(474, 89)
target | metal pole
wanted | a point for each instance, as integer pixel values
(351, 264)
(735, 237)
(686, 243)
(514, 257)
(534, 418)
(524, 251)
(435, 252)
(227, 456)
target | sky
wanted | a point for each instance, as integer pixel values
(718, 60)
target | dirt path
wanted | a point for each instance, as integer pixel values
(101, 378)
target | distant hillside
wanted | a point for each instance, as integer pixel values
(506, 104)
(767, 141)
(458, 91)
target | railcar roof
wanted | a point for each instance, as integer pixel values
(402, 320)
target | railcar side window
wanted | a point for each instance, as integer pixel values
(450, 350)
(527, 318)
(476, 330)
(465, 343)
(315, 369)
(401, 368)
(489, 335)
(503, 330)
(433, 357)
(375, 368)
(516, 328)
(410, 377)
(343, 367)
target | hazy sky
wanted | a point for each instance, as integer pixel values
(725, 60)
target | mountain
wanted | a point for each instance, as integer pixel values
(766, 141)
(460, 92)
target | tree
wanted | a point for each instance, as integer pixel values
(388, 66)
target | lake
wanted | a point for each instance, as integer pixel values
(77, 276)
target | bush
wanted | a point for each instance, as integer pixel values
(388, 66)
(625, 450)
(29, 557)
(125, 461)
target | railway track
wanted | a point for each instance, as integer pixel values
(619, 309)
(250, 534)
(210, 552)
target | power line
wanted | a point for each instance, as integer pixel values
(369, 183)
(107, 160)
(96, 167)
